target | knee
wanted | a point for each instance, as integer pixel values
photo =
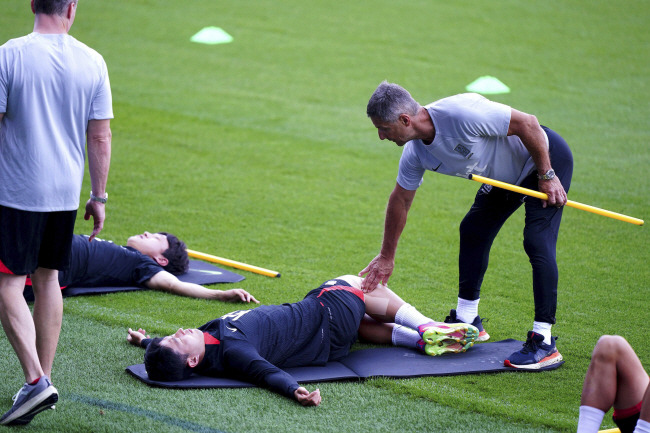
(469, 230)
(609, 349)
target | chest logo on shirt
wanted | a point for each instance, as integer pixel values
(463, 150)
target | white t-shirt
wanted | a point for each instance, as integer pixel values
(471, 138)
(51, 85)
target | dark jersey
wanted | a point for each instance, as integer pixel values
(255, 344)
(102, 263)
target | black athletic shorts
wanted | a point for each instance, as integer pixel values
(30, 240)
(345, 308)
(626, 419)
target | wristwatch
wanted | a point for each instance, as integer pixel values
(546, 176)
(93, 197)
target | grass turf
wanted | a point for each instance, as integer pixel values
(260, 151)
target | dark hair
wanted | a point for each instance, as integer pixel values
(388, 101)
(51, 7)
(165, 364)
(176, 254)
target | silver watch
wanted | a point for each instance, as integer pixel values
(546, 176)
(93, 197)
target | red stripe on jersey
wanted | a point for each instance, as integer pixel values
(209, 339)
(352, 290)
(4, 269)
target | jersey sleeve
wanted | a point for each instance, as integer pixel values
(411, 171)
(102, 103)
(242, 358)
(3, 79)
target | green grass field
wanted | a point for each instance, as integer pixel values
(260, 151)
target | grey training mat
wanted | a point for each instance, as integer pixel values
(393, 362)
(199, 273)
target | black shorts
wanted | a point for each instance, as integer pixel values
(345, 308)
(626, 419)
(30, 240)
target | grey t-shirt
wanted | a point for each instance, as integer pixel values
(51, 85)
(471, 138)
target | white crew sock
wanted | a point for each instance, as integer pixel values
(589, 419)
(408, 316)
(405, 337)
(642, 426)
(544, 329)
(466, 311)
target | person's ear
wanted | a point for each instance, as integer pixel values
(161, 260)
(33, 10)
(193, 361)
(404, 119)
(71, 10)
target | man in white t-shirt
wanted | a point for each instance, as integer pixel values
(468, 134)
(54, 97)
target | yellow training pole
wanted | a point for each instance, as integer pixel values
(575, 204)
(231, 263)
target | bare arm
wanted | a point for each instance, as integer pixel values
(527, 128)
(381, 267)
(98, 139)
(167, 282)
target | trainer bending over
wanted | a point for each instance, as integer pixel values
(256, 344)
(149, 260)
(468, 134)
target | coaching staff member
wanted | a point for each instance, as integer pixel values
(54, 96)
(468, 134)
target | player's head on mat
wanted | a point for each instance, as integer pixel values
(173, 357)
(165, 248)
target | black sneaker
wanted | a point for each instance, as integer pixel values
(29, 401)
(478, 322)
(535, 354)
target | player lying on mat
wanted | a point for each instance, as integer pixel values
(148, 260)
(255, 344)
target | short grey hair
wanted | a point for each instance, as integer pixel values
(52, 7)
(388, 101)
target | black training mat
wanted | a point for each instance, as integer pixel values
(199, 273)
(394, 362)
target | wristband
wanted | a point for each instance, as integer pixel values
(99, 199)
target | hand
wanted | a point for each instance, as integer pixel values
(136, 337)
(98, 211)
(555, 191)
(379, 271)
(307, 398)
(235, 295)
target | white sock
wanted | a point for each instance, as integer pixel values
(589, 419)
(466, 311)
(405, 337)
(544, 329)
(408, 316)
(642, 426)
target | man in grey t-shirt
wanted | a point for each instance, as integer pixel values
(54, 97)
(468, 134)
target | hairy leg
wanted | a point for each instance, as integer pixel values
(18, 325)
(48, 313)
